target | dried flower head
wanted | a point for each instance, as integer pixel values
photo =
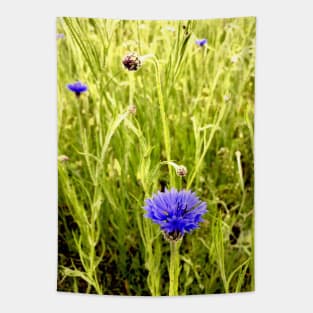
(234, 58)
(63, 158)
(181, 170)
(132, 61)
(227, 97)
(77, 88)
(177, 212)
(132, 109)
(201, 42)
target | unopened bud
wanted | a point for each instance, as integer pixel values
(181, 170)
(132, 109)
(63, 158)
(132, 61)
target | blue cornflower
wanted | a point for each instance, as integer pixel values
(177, 212)
(201, 42)
(77, 87)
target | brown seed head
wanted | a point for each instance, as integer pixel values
(132, 61)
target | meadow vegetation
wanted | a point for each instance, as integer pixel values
(188, 104)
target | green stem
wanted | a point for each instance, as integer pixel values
(180, 183)
(131, 88)
(174, 268)
(206, 147)
(166, 133)
(80, 122)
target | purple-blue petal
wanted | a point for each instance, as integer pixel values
(201, 42)
(175, 211)
(77, 87)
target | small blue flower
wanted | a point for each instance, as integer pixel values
(177, 212)
(77, 87)
(201, 42)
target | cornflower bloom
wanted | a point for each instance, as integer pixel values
(77, 88)
(201, 42)
(177, 212)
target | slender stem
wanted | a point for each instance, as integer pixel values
(78, 112)
(242, 184)
(131, 88)
(92, 255)
(180, 183)
(174, 268)
(206, 147)
(166, 133)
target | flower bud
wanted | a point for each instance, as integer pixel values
(181, 170)
(63, 158)
(132, 109)
(132, 61)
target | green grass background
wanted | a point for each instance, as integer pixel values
(105, 245)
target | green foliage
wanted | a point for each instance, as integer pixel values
(195, 107)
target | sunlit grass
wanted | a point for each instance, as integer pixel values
(194, 107)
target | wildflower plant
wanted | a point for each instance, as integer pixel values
(201, 42)
(78, 88)
(155, 118)
(132, 61)
(177, 213)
